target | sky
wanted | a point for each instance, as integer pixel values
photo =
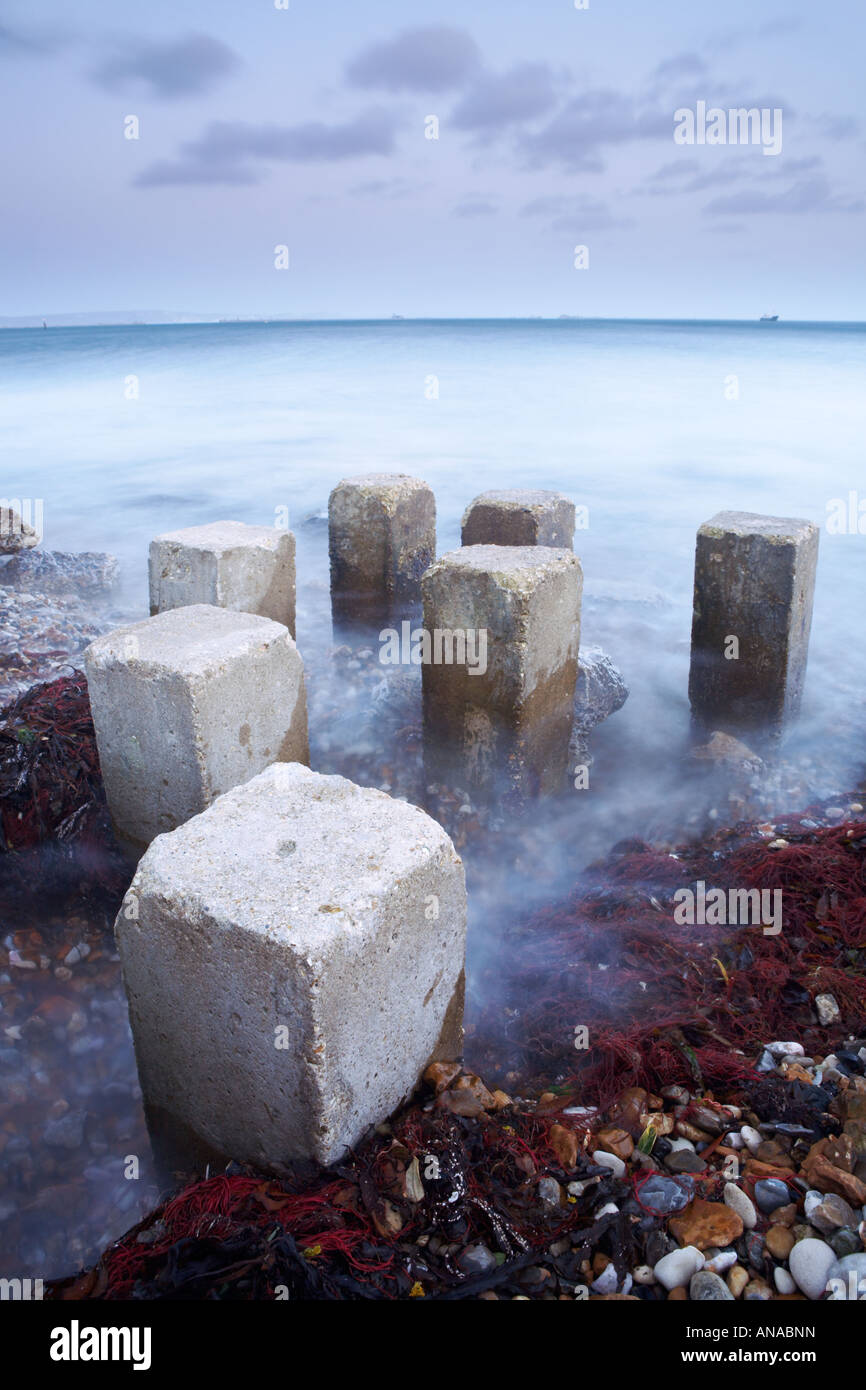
(309, 127)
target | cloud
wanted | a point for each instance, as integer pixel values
(580, 131)
(435, 59)
(226, 150)
(576, 214)
(804, 195)
(475, 206)
(388, 188)
(680, 65)
(179, 68)
(31, 43)
(497, 100)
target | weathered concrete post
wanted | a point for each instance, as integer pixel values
(186, 705)
(520, 516)
(754, 581)
(382, 537)
(499, 684)
(293, 959)
(227, 564)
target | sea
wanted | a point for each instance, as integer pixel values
(121, 433)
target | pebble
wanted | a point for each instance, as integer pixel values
(810, 1262)
(706, 1287)
(779, 1241)
(751, 1138)
(771, 1193)
(783, 1281)
(676, 1269)
(845, 1242)
(664, 1195)
(828, 1010)
(738, 1278)
(757, 1291)
(606, 1160)
(786, 1049)
(742, 1204)
(644, 1275)
(550, 1192)
(608, 1282)
(847, 1269)
(721, 1262)
(827, 1212)
(476, 1259)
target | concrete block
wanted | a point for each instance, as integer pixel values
(519, 516)
(382, 537)
(506, 727)
(293, 960)
(188, 704)
(754, 581)
(228, 564)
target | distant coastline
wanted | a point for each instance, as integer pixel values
(167, 319)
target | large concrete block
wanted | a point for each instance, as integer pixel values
(293, 959)
(754, 581)
(382, 537)
(188, 704)
(228, 564)
(507, 726)
(520, 516)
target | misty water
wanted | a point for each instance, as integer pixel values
(651, 427)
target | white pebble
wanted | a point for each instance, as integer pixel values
(751, 1138)
(606, 1160)
(742, 1204)
(783, 1281)
(676, 1269)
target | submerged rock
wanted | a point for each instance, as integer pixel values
(87, 574)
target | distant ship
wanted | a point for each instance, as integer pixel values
(397, 316)
(769, 318)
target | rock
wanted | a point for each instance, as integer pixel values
(810, 1263)
(720, 1261)
(706, 1287)
(608, 1282)
(549, 1192)
(226, 564)
(783, 1281)
(675, 1270)
(274, 931)
(751, 1138)
(738, 1279)
(664, 1195)
(742, 1204)
(757, 1291)
(786, 1049)
(629, 1106)
(611, 1161)
(643, 1274)
(845, 1242)
(771, 1193)
(779, 1242)
(16, 533)
(565, 1145)
(616, 1141)
(706, 1223)
(820, 1173)
(727, 751)
(827, 1211)
(828, 1010)
(476, 1259)
(86, 574)
(600, 692)
(850, 1275)
(684, 1161)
